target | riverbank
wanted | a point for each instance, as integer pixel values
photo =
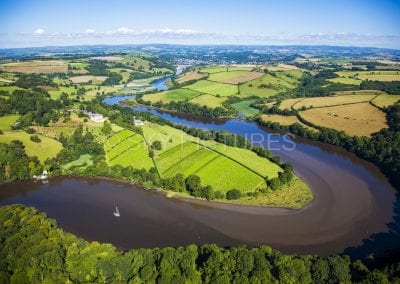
(84, 206)
(293, 196)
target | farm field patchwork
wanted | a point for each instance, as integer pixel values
(125, 73)
(182, 153)
(244, 108)
(287, 104)
(234, 77)
(269, 85)
(47, 148)
(213, 88)
(208, 100)
(213, 168)
(285, 120)
(332, 100)
(189, 76)
(127, 148)
(254, 162)
(176, 95)
(361, 119)
(371, 75)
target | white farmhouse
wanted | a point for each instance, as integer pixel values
(96, 117)
(138, 122)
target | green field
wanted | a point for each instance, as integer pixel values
(213, 88)
(271, 84)
(214, 69)
(226, 68)
(55, 94)
(47, 148)
(7, 121)
(218, 165)
(176, 95)
(214, 169)
(208, 101)
(385, 100)
(127, 148)
(224, 174)
(244, 108)
(83, 160)
(222, 76)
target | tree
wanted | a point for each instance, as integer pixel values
(156, 145)
(193, 184)
(208, 192)
(106, 129)
(35, 138)
(233, 194)
(274, 183)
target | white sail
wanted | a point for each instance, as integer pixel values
(116, 213)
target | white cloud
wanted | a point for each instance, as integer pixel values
(39, 31)
(124, 30)
(124, 34)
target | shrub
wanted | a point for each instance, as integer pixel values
(30, 131)
(274, 183)
(35, 139)
(156, 145)
(233, 194)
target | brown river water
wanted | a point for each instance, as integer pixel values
(355, 210)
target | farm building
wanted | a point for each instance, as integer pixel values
(96, 117)
(138, 122)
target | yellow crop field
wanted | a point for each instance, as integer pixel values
(360, 119)
(191, 75)
(287, 104)
(285, 120)
(333, 100)
(37, 66)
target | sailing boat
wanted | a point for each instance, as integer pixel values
(116, 213)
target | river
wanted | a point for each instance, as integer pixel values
(355, 210)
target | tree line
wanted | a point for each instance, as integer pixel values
(34, 250)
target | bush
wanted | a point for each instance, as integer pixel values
(208, 192)
(274, 183)
(35, 139)
(30, 131)
(156, 145)
(233, 194)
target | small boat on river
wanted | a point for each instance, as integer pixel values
(116, 213)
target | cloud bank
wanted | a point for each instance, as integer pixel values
(127, 35)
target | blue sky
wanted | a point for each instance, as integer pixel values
(340, 22)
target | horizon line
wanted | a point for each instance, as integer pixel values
(203, 44)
